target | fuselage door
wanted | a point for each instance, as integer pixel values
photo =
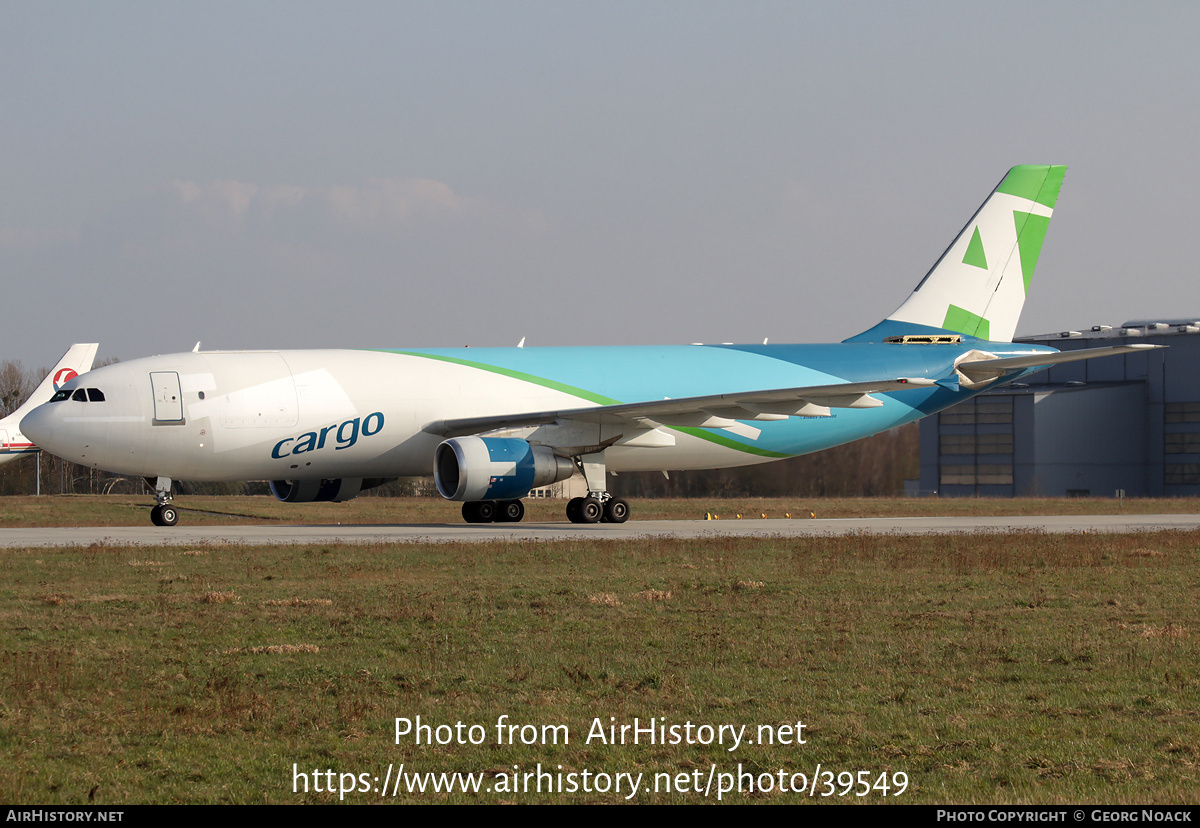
(168, 398)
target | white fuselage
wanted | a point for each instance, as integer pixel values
(330, 414)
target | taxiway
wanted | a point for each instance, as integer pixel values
(260, 535)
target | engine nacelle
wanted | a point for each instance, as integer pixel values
(321, 491)
(495, 468)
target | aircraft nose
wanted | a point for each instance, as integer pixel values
(38, 426)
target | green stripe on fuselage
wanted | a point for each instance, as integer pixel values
(573, 390)
(600, 399)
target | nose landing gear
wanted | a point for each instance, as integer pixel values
(163, 514)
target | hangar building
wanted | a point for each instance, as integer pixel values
(1094, 428)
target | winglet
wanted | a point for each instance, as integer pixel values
(977, 288)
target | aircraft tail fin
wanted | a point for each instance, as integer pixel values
(77, 360)
(977, 288)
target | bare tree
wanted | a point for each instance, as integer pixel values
(16, 384)
(58, 476)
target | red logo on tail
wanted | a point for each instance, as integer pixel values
(64, 376)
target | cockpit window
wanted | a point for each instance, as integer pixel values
(79, 395)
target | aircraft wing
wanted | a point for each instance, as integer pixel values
(714, 411)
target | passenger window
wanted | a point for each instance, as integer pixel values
(79, 395)
(95, 395)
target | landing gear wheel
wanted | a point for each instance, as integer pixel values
(164, 515)
(590, 510)
(479, 511)
(573, 509)
(511, 511)
(616, 511)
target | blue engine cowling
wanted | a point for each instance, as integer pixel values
(495, 468)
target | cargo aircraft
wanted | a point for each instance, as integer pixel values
(77, 360)
(490, 424)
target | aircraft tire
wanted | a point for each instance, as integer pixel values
(573, 510)
(590, 510)
(479, 511)
(616, 511)
(164, 515)
(511, 511)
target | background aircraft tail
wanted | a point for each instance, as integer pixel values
(978, 286)
(77, 360)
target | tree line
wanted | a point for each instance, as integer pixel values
(874, 467)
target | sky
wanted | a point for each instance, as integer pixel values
(407, 174)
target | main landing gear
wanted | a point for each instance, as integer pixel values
(599, 506)
(592, 509)
(163, 514)
(493, 511)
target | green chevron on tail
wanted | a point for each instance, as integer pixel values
(978, 286)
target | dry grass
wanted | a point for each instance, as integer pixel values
(277, 649)
(1006, 669)
(122, 510)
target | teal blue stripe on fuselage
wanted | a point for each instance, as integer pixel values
(636, 373)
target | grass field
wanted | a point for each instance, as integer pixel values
(1021, 668)
(122, 510)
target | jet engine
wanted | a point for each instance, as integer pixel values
(315, 491)
(495, 468)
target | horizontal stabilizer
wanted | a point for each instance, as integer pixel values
(977, 369)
